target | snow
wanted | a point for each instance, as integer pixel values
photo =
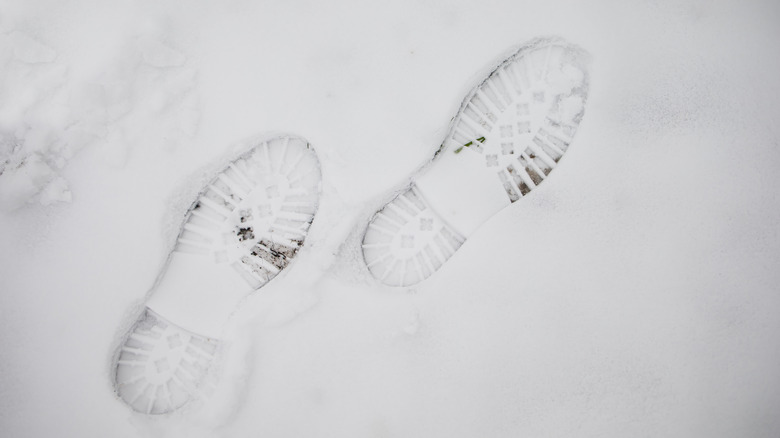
(633, 294)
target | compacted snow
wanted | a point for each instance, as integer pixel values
(634, 293)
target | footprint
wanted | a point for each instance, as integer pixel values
(508, 136)
(244, 228)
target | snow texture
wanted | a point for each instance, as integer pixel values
(634, 293)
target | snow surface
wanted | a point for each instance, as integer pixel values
(634, 294)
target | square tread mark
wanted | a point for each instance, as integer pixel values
(264, 210)
(522, 109)
(246, 215)
(162, 365)
(523, 127)
(174, 341)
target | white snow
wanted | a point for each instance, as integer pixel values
(635, 293)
